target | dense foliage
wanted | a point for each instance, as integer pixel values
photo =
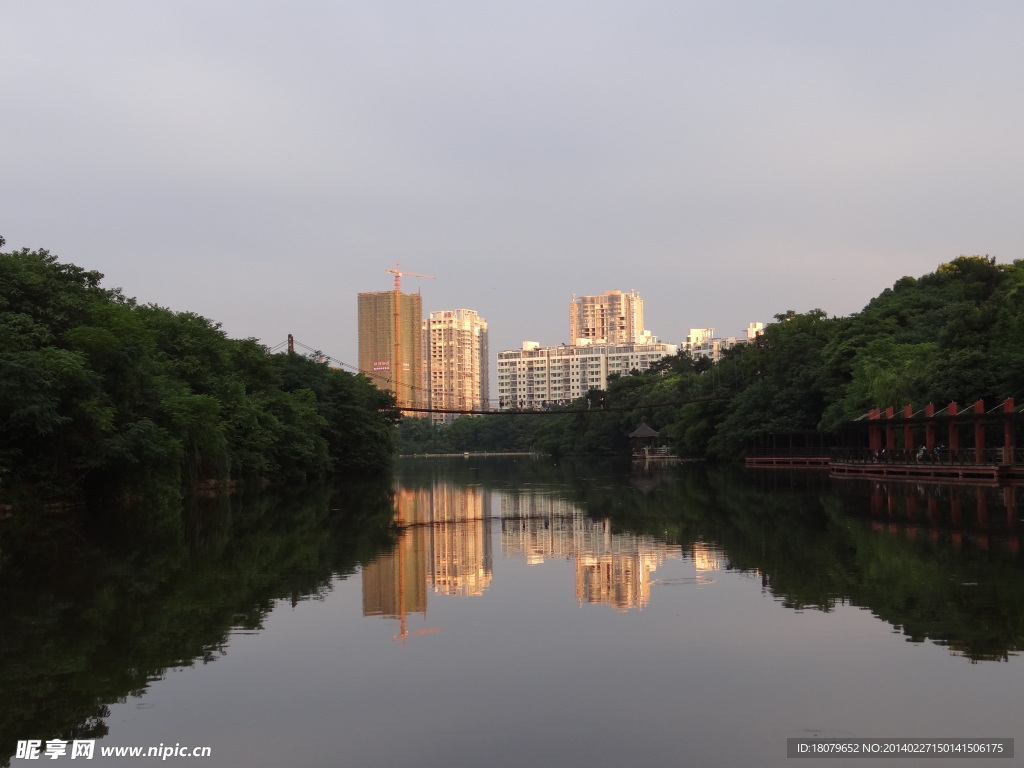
(100, 395)
(954, 335)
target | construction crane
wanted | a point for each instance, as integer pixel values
(397, 272)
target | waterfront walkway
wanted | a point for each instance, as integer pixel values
(948, 466)
(883, 444)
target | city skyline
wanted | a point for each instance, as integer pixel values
(455, 371)
(448, 368)
(729, 161)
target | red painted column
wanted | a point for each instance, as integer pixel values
(929, 427)
(979, 432)
(908, 433)
(954, 431)
(874, 432)
(890, 432)
(1008, 457)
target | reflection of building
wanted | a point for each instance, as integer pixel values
(458, 544)
(705, 558)
(444, 543)
(456, 362)
(378, 317)
(621, 580)
(395, 585)
(611, 568)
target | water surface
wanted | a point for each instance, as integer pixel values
(519, 612)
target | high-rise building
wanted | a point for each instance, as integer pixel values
(614, 318)
(456, 362)
(390, 343)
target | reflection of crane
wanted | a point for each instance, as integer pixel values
(398, 327)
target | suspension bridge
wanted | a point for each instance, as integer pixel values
(292, 345)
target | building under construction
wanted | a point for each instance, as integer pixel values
(390, 343)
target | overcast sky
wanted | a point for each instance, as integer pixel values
(261, 163)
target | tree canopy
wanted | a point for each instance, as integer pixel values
(101, 395)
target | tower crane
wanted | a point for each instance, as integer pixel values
(397, 272)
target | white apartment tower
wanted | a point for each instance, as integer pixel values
(456, 362)
(614, 318)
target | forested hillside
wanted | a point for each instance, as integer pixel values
(101, 395)
(955, 334)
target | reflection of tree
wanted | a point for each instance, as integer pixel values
(811, 542)
(935, 576)
(88, 621)
(806, 540)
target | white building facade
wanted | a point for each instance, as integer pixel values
(702, 343)
(456, 362)
(536, 377)
(612, 318)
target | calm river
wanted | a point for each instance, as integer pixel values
(515, 612)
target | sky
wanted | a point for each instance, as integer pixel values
(261, 163)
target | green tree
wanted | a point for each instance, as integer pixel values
(100, 395)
